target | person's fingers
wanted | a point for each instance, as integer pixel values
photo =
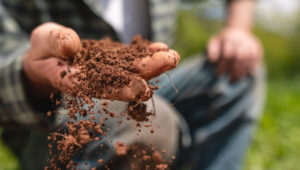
(243, 61)
(51, 39)
(136, 90)
(213, 49)
(234, 71)
(156, 64)
(222, 66)
(158, 46)
(242, 55)
(62, 78)
(227, 49)
(226, 57)
(239, 69)
(59, 76)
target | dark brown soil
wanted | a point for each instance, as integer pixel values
(138, 112)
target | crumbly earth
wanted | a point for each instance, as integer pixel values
(105, 66)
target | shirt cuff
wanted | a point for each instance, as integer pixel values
(15, 108)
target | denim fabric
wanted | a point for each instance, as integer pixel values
(221, 115)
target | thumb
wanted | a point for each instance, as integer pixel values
(213, 49)
(51, 39)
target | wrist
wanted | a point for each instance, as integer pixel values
(240, 15)
(237, 28)
(35, 88)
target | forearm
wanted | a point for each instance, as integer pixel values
(240, 14)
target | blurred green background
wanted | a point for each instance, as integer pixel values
(276, 144)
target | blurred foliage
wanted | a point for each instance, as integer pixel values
(277, 140)
(192, 33)
(282, 53)
(276, 143)
(7, 160)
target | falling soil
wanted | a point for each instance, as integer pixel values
(137, 111)
(104, 69)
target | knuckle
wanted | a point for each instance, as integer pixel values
(35, 32)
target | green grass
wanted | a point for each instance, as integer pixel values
(276, 144)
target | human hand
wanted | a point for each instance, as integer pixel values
(236, 51)
(52, 43)
(147, 68)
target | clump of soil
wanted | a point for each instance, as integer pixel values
(137, 111)
(105, 68)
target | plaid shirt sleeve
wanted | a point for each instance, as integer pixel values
(15, 109)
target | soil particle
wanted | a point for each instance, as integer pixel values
(121, 149)
(162, 166)
(138, 112)
(156, 156)
(63, 74)
(100, 161)
(49, 113)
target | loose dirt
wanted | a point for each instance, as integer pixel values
(104, 69)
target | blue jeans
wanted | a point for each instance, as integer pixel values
(221, 115)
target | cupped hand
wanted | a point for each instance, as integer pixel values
(52, 43)
(236, 51)
(146, 68)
